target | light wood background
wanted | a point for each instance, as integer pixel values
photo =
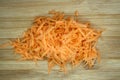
(17, 15)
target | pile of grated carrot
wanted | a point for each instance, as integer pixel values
(60, 40)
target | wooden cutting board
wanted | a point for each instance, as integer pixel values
(17, 15)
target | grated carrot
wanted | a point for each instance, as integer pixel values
(59, 40)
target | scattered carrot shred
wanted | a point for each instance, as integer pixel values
(59, 40)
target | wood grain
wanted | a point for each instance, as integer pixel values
(17, 15)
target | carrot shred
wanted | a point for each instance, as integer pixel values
(60, 40)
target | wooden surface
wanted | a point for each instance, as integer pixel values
(17, 15)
